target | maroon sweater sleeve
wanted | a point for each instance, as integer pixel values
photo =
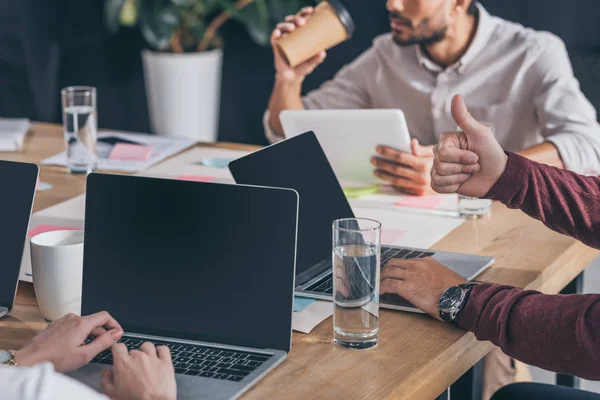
(556, 332)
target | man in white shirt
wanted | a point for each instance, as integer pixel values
(35, 372)
(518, 79)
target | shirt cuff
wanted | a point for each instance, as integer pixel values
(517, 169)
(272, 137)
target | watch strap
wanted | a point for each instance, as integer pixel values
(451, 314)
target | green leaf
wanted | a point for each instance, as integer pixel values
(159, 20)
(129, 13)
(255, 18)
(112, 11)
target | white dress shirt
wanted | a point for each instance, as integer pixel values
(516, 78)
(41, 382)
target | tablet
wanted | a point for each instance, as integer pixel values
(350, 138)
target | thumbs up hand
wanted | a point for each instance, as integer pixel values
(468, 162)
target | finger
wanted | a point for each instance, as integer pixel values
(444, 189)
(399, 263)
(98, 331)
(101, 343)
(450, 180)
(396, 169)
(108, 383)
(296, 20)
(391, 286)
(465, 120)
(286, 27)
(399, 183)
(420, 151)
(309, 66)
(275, 35)
(119, 351)
(164, 353)
(148, 348)
(341, 286)
(306, 11)
(101, 319)
(393, 273)
(452, 154)
(415, 192)
(446, 169)
(399, 156)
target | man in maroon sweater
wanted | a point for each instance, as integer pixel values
(555, 332)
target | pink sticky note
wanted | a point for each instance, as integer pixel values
(391, 236)
(48, 228)
(131, 152)
(428, 202)
(195, 178)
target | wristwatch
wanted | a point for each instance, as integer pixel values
(7, 357)
(453, 300)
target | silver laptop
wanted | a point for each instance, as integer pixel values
(206, 269)
(301, 164)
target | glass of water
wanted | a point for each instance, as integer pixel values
(473, 207)
(80, 127)
(356, 264)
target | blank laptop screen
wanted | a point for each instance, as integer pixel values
(191, 260)
(17, 181)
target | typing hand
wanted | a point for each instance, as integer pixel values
(283, 70)
(420, 281)
(62, 343)
(407, 172)
(468, 162)
(145, 374)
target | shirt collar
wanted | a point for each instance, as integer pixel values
(485, 29)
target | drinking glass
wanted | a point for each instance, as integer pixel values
(473, 207)
(80, 127)
(356, 265)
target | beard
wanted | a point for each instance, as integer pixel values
(422, 39)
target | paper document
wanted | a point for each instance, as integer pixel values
(191, 164)
(162, 147)
(389, 198)
(306, 320)
(12, 133)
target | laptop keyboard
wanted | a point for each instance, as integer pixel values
(325, 285)
(196, 360)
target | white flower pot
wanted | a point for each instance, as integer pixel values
(184, 93)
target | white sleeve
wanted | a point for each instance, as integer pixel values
(41, 382)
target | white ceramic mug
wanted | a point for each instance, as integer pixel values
(57, 267)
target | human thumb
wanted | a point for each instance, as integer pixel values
(465, 120)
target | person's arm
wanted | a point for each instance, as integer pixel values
(42, 383)
(556, 332)
(564, 201)
(568, 119)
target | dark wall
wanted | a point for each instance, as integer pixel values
(48, 44)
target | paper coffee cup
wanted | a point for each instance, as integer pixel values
(329, 25)
(57, 271)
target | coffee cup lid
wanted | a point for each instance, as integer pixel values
(343, 15)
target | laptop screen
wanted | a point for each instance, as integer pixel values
(191, 260)
(300, 163)
(18, 182)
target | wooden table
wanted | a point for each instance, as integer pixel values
(417, 357)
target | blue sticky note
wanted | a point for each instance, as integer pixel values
(216, 162)
(300, 303)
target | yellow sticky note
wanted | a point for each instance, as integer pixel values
(354, 193)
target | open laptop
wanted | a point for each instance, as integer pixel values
(350, 135)
(206, 269)
(18, 181)
(301, 164)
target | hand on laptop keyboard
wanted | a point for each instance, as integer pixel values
(138, 373)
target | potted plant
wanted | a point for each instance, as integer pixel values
(183, 68)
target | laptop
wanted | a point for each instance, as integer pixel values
(206, 269)
(301, 164)
(350, 134)
(16, 203)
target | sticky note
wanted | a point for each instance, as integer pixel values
(354, 193)
(131, 152)
(48, 228)
(220, 163)
(300, 303)
(391, 236)
(195, 178)
(428, 202)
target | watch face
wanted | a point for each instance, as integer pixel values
(5, 356)
(451, 298)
